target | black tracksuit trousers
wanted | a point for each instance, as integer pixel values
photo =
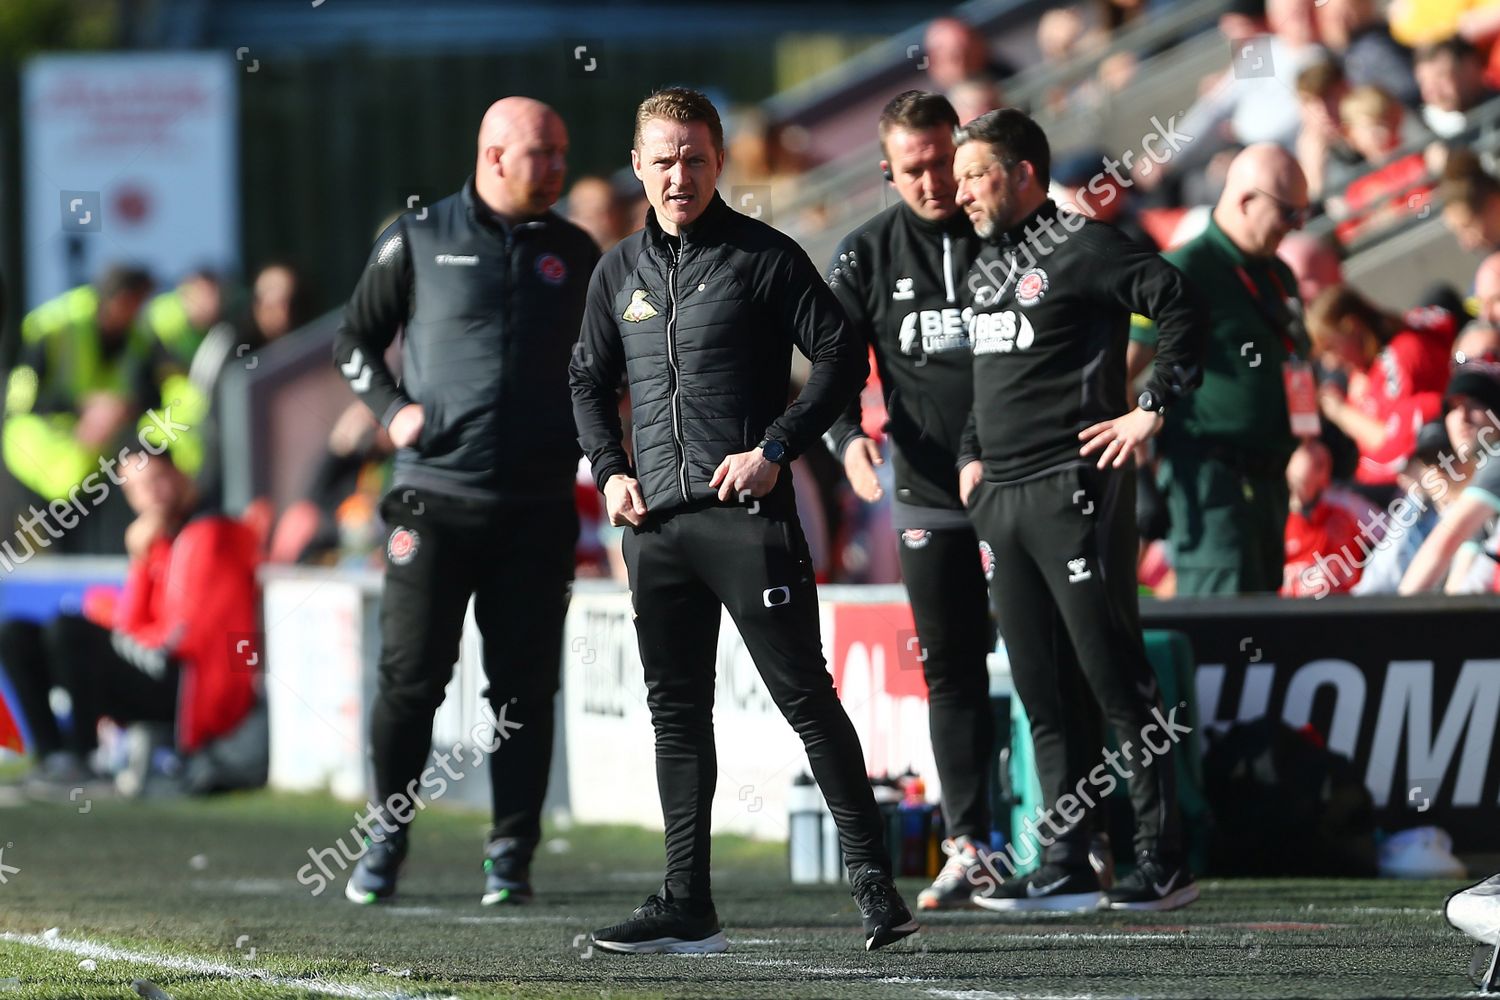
(684, 566)
(1064, 584)
(950, 607)
(516, 560)
(78, 655)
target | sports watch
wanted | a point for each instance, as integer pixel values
(774, 450)
(1151, 402)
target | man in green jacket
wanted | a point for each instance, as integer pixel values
(1225, 447)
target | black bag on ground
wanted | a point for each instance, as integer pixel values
(1283, 805)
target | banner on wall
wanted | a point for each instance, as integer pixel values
(128, 158)
(1407, 688)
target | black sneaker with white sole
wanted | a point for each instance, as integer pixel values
(507, 871)
(1156, 884)
(664, 926)
(1051, 887)
(374, 877)
(885, 914)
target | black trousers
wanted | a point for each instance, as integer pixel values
(516, 560)
(1064, 550)
(683, 568)
(77, 655)
(950, 606)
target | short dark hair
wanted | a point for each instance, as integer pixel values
(1466, 182)
(916, 110)
(1457, 47)
(1013, 136)
(120, 279)
(680, 104)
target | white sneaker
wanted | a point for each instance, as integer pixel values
(956, 881)
(1476, 911)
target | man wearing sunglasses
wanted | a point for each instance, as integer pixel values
(1225, 448)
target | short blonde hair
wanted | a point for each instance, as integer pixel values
(679, 104)
(1367, 103)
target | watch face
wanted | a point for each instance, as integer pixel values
(1147, 400)
(774, 451)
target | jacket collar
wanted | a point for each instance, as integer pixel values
(714, 215)
(481, 214)
(1216, 237)
(1023, 230)
(956, 224)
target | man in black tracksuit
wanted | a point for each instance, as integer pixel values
(1053, 293)
(900, 278)
(489, 286)
(698, 313)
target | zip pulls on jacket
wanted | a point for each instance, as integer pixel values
(948, 266)
(674, 258)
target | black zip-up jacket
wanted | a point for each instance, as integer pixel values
(1052, 303)
(901, 281)
(702, 333)
(491, 314)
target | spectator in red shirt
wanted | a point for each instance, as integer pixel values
(180, 645)
(1395, 369)
(1323, 551)
(1377, 127)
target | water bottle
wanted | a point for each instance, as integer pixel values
(804, 810)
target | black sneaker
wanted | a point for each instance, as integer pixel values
(1156, 884)
(1050, 887)
(664, 926)
(374, 875)
(507, 871)
(884, 911)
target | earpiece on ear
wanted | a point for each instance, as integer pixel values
(885, 172)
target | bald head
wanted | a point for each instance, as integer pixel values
(1314, 261)
(1487, 289)
(1265, 197)
(955, 52)
(522, 157)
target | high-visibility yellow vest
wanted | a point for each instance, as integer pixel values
(166, 318)
(40, 448)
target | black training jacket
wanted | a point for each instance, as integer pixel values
(901, 280)
(1052, 302)
(703, 335)
(491, 314)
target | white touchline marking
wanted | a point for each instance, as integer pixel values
(246, 886)
(516, 920)
(816, 970)
(991, 995)
(202, 967)
(1389, 910)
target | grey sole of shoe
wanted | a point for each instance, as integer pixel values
(893, 935)
(510, 897)
(1173, 901)
(711, 945)
(1071, 902)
